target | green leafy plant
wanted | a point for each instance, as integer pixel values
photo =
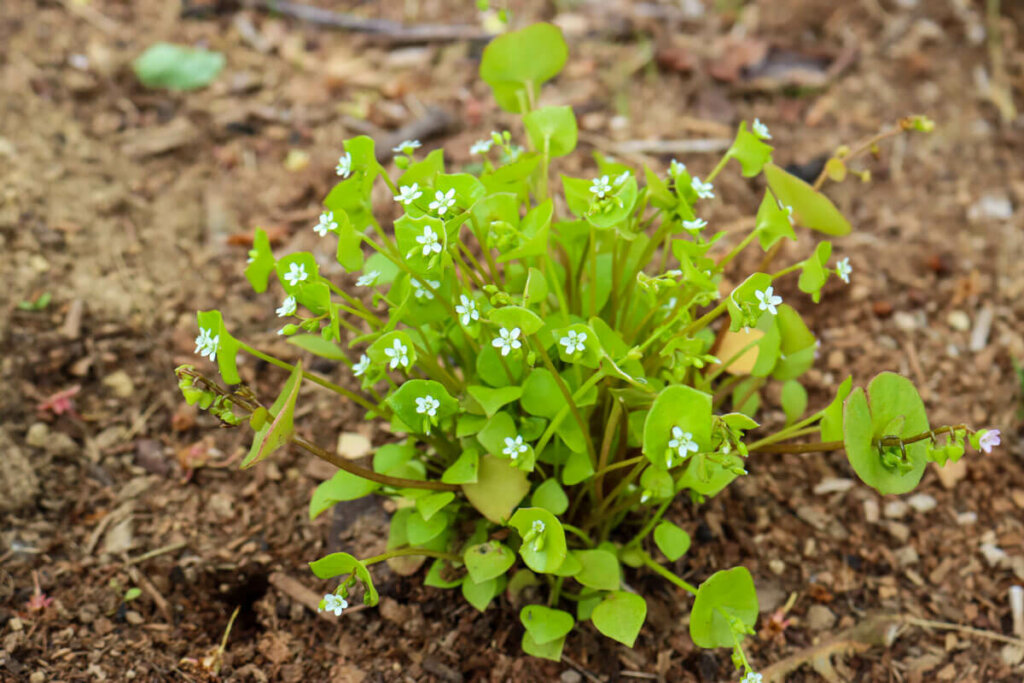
(177, 67)
(558, 370)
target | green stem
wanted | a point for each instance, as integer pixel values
(666, 574)
(403, 552)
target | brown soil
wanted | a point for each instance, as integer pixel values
(132, 208)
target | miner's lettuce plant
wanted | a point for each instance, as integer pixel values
(560, 362)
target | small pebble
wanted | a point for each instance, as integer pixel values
(993, 554)
(896, 509)
(820, 618)
(833, 485)
(871, 512)
(899, 531)
(133, 618)
(37, 677)
(922, 502)
(777, 566)
(38, 435)
(904, 321)
(982, 328)
(965, 518)
(992, 206)
(907, 556)
(959, 321)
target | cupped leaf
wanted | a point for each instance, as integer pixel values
(261, 261)
(491, 400)
(681, 407)
(794, 400)
(550, 496)
(337, 564)
(543, 549)
(480, 595)
(832, 419)
(725, 609)
(226, 347)
(750, 151)
(620, 615)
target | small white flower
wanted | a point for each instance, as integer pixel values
(429, 240)
(399, 355)
(675, 168)
(573, 341)
(621, 179)
(987, 442)
(481, 147)
(752, 677)
(406, 147)
(843, 270)
(326, 224)
(768, 301)
(537, 527)
(703, 190)
(296, 273)
(600, 187)
(335, 603)
(682, 443)
(789, 214)
(507, 340)
(645, 496)
(287, 308)
(467, 310)
(443, 201)
(514, 447)
(344, 167)
(407, 194)
(421, 292)
(760, 130)
(695, 225)
(427, 405)
(368, 279)
(360, 368)
(206, 345)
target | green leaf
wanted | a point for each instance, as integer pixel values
(578, 467)
(491, 400)
(543, 549)
(227, 346)
(517, 63)
(480, 595)
(894, 401)
(420, 530)
(550, 496)
(794, 400)
(545, 624)
(796, 345)
(657, 482)
(742, 302)
(516, 316)
(552, 130)
(464, 469)
(410, 407)
(499, 488)
(600, 569)
(342, 486)
(672, 541)
(278, 431)
(431, 504)
(487, 560)
(814, 272)
(832, 420)
(550, 650)
(620, 616)
(536, 287)
(810, 207)
(725, 596)
(318, 346)
(750, 151)
(435, 577)
(378, 351)
(677, 406)
(261, 263)
(772, 222)
(337, 564)
(177, 67)
(392, 456)
(541, 396)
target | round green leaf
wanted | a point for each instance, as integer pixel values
(488, 560)
(725, 595)
(677, 406)
(552, 129)
(480, 594)
(498, 489)
(550, 496)
(671, 540)
(342, 486)
(517, 63)
(177, 67)
(600, 569)
(545, 624)
(620, 616)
